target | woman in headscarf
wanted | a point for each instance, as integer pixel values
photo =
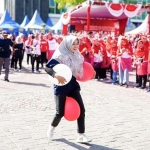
(114, 60)
(97, 60)
(68, 54)
(141, 64)
(18, 53)
(124, 61)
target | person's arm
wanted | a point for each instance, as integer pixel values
(49, 67)
(51, 72)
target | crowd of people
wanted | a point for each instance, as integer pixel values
(118, 54)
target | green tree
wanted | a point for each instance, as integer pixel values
(67, 3)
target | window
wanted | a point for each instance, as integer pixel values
(52, 4)
(53, 8)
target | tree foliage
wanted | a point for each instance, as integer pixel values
(67, 3)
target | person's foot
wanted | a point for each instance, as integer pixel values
(137, 86)
(83, 139)
(142, 87)
(50, 132)
(148, 90)
(121, 84)
(37, 71)
(19, 70)
(32, 71)
(101, 79)
(126, 86)
(7, 80)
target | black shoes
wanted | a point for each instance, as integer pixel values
(142, 87)
(7, 80)
(122, 84)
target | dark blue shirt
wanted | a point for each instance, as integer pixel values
(5, 44)
(71, 86)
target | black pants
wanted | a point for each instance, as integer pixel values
(60, 105)
(43, 58)
(97, 70)
(37, 59)
(18, 56)
(29, 57)
(12, 61)
(148, 80)
(137, 78)
(142, 80)
(102, 73)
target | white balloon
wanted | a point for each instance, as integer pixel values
(62, 70)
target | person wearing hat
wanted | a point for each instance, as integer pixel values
(6, 51)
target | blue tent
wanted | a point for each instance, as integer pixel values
(58, 26)
(6, 23)
(36, 23)
(49, 22)
(130, 26)
(138, 24)
(25, 21)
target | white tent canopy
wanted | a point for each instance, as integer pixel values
(143, 28)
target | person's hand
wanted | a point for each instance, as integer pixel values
(61, 80)
(12, 52)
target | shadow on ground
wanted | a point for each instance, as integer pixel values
(80, 147)
(29, 83)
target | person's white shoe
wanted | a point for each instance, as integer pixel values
(50, 133)
(83, 139)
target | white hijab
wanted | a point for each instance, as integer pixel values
(64, 55)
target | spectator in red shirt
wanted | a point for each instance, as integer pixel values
(85, 50)
(44, 49)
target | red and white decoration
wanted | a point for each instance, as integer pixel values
(65, 18)
(96, 13)
(130, 10)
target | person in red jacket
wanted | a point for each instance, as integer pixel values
(44, 49)
(141, 63)
(97, 60)
(124, 61)
(85, 50)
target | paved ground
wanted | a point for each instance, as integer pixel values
(116, 118)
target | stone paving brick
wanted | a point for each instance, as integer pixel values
(116, 118)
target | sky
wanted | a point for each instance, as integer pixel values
(1, 6)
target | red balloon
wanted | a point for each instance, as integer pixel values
(72, 109)
(88, 72)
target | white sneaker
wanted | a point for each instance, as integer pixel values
(50, 133)
(83, 139)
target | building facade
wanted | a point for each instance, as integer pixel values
(54, 12)
(19, 8)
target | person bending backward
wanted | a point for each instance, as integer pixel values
(67, 53)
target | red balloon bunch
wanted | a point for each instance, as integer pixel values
(72, 109)
(88, 72)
